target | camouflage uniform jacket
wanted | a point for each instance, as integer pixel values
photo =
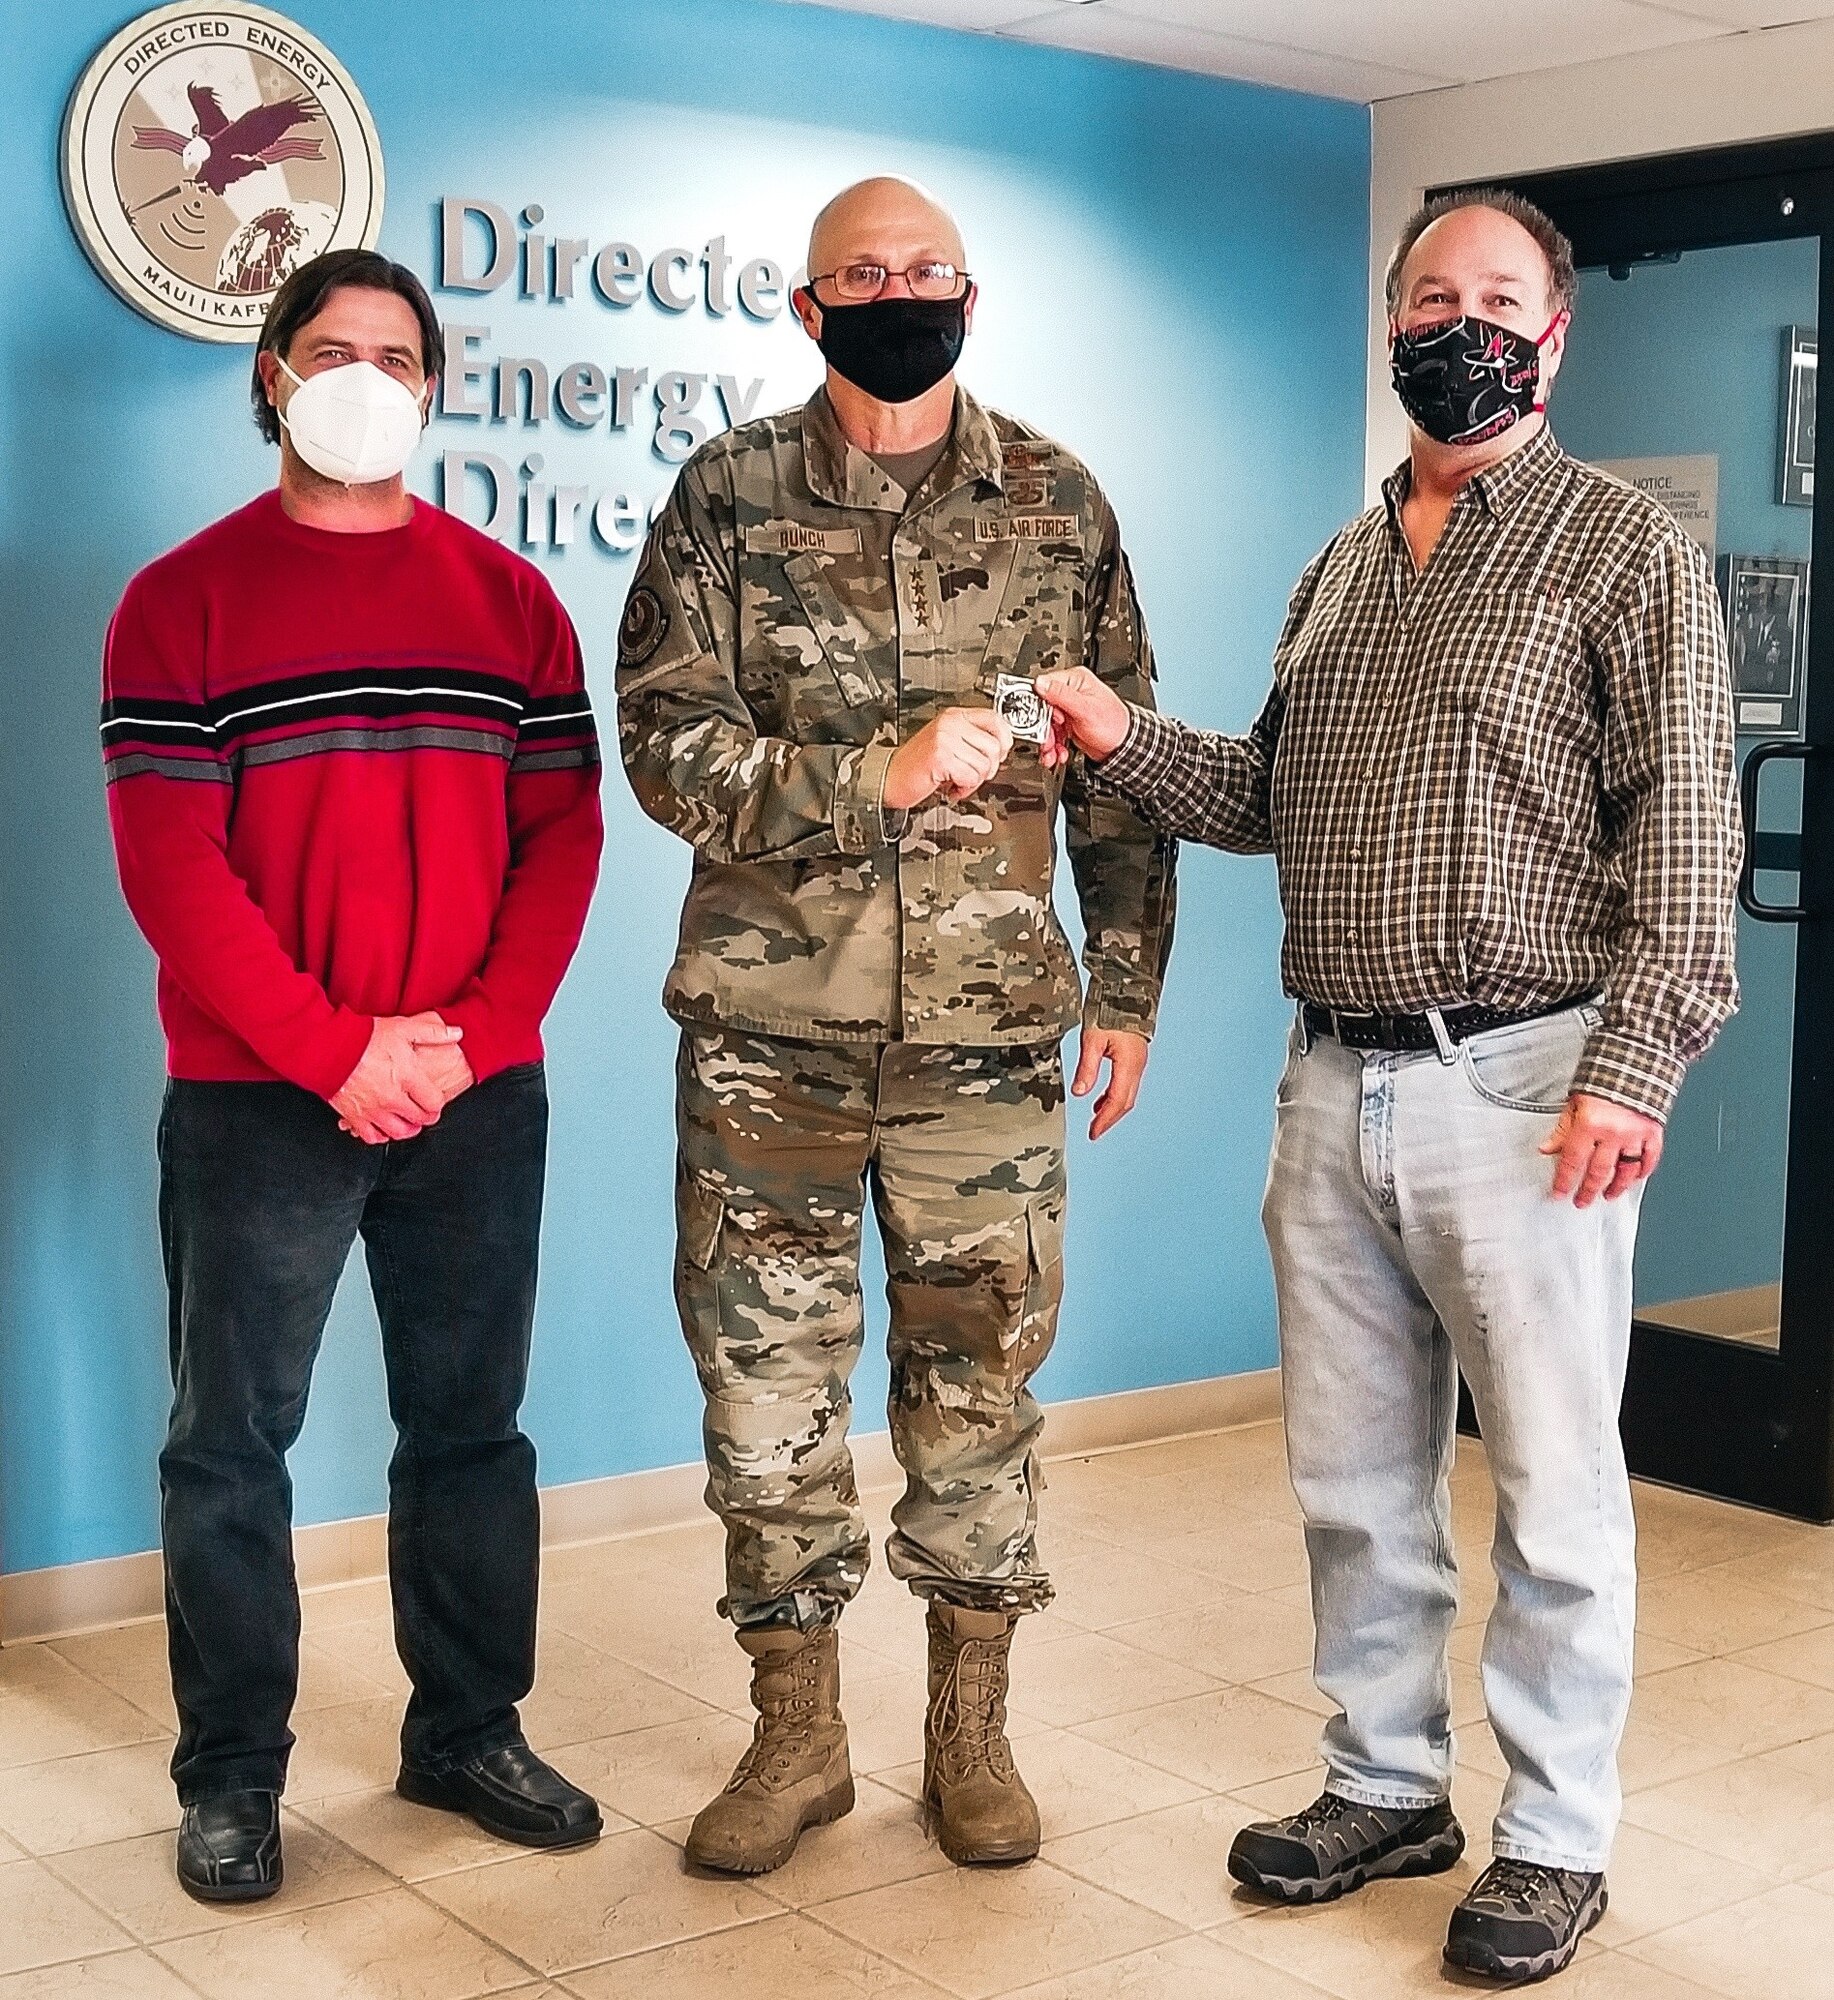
(794, 616)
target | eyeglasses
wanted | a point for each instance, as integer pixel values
(859, 282)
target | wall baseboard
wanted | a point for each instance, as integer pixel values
(76, 1597)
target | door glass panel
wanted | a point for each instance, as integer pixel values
(1694, 375)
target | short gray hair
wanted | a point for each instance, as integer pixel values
(1562, 279)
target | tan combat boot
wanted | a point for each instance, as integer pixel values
(796, 1772)
(976, 1799)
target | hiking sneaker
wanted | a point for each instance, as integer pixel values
(1336, 1845)
(1522, 1922)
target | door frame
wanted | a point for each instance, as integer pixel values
(1715, 1416)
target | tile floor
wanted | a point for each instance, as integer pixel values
(1161, 1703)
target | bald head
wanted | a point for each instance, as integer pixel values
(885, 221)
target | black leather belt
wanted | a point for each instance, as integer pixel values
(1412, 1034)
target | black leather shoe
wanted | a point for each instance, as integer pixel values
(229, 1848)
(511, 1793)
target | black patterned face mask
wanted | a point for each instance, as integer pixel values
(1464, 380)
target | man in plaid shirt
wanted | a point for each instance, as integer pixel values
(1496, 773)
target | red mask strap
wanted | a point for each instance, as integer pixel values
(1541, 339)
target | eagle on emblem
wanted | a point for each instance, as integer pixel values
(221, 149)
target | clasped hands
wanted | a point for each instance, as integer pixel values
(411, 1070)
(954, 756)
(1599, 1147)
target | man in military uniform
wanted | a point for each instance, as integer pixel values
(825, 658)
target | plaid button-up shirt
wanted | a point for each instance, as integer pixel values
(1506, 778)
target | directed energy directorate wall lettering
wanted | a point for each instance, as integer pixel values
(483, 249)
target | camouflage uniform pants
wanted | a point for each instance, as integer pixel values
(962, 1150)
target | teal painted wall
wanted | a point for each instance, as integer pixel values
(1174, 274)
(1688, 358)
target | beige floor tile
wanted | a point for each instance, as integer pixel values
(1220, 1742)
(1173, 1862)
(1734, 1705)
(84, 1801)
(882, 1840)
(979, 1932)
(670, 1772)
(1780, 1945)
(1237, 1639)
(413, 1842)
(1385, 1943)
(48, 1708)
(629, 1893)
(1657, 1882)
(130, 1660)
(1758, 1812)
(1123, 1585)
(782, 1958)
(343, 1603)
(1678, 1532)
(328, 1678)
(368, 1645)
(1804, 1656)
(1610, 1975)
(1803, 1569)
(121, 1975)
(133, 1881)
(1092, 1674)
(1077, 1783)
(1713, 1612)
(1813, 1756)
(387, 1947)
(43, 1920)
(581, 1693)
(353, 1747)
(1247, 1550)
(684, 1644)
(1298, 1690)
(885, 1720)
(1188, 1968)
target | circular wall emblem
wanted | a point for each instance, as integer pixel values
(207, 153)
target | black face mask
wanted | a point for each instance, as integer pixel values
(1465, 380)
(894, 349)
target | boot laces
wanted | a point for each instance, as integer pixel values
(1324, 1811)
(783, 1690)
(1533, 1888)
(968, 1717)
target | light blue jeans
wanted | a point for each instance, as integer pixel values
(1413, 1233)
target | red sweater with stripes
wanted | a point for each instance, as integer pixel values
(349, 775)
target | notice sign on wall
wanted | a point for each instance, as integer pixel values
(1688, 486)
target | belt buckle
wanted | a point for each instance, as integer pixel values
(1339, 1017)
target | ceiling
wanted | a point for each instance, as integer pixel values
(1359, 49)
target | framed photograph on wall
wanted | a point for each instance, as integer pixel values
(1796, 454)
(1767, 601)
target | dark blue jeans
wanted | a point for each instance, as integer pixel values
(261, 1198)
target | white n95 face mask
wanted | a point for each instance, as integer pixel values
(354, 423)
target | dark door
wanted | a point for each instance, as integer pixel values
(1691, 370)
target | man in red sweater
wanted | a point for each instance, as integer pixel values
(353, 781)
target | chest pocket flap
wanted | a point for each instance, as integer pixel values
(844, 640)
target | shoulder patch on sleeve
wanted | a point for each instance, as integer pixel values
(643, 628)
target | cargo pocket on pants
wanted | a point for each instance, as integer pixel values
(1044, 1283)
(700, 1220)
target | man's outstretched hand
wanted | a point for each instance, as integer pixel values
(1086, 715)
(1125, 1055)
(411, 1070)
